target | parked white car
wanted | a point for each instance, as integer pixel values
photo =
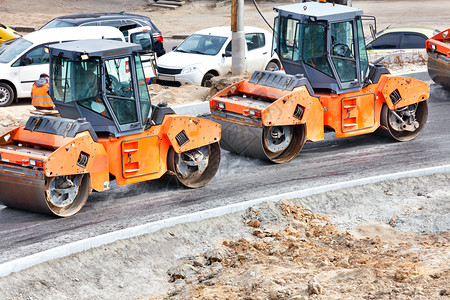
(207, 53)
(26, 58)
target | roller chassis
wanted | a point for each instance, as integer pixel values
(329, 85)
(264, 120)
(108, 130)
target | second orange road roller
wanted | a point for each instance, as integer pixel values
(108, 130)
(329, 85)
(438, 50)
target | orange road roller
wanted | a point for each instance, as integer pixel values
(329, 85)
(438, 50)
(108, 130)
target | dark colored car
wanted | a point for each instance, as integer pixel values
(122, 21)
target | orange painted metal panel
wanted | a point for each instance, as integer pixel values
(141, 156)
(409, 89)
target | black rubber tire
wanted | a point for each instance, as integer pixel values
(206, 81)
(7, 94)
(272, 66)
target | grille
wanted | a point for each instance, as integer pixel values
(395, 96)
(298, 112)
(182, 138)
(168, 71)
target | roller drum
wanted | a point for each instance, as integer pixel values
(29, 189)
(242, 139)
(22, 189)
(278, 144)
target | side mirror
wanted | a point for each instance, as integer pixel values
(25, 61)
(226, 54)
(372, 32)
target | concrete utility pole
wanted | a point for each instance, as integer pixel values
(237, 37)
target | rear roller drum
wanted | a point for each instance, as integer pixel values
(283, 143)
(66, 195)
(196, 167)
(405, 123)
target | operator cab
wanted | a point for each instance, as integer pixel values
(102, 81)
(325, 42)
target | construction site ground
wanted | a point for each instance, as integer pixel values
(381, 241)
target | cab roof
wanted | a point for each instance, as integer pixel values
(322, 11)
(94, 48)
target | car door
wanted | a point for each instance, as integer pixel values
(257, 52)
(225, 59)
(29, 66)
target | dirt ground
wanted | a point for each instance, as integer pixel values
(326, 246)
(273, 251)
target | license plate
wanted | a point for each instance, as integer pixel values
(168, 78)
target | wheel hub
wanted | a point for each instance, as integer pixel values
(3, 94)
(192, 163)
(64, 190)
(278, 138)
(404, 119)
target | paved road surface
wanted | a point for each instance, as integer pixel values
(238, 179)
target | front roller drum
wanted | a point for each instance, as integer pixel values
(278, 144)
(196, 167)
(62, 196)
(405, 123)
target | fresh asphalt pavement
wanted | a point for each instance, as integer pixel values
(238, 179)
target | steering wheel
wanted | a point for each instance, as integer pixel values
(113, 85)
(342, 50)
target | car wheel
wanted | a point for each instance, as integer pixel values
(6, 94)
(206, 82)
(272, 66)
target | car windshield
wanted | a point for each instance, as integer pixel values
(202, 44)
(56, 23)
(14, 49)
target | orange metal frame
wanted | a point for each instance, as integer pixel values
(135, 158)
(347, 114)
(439, 43)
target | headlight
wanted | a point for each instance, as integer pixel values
(190, 69)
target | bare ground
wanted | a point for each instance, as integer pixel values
(283, 250)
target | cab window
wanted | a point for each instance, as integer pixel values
(343, 50)
(119, 90)
(78, 81)
(142, 89)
